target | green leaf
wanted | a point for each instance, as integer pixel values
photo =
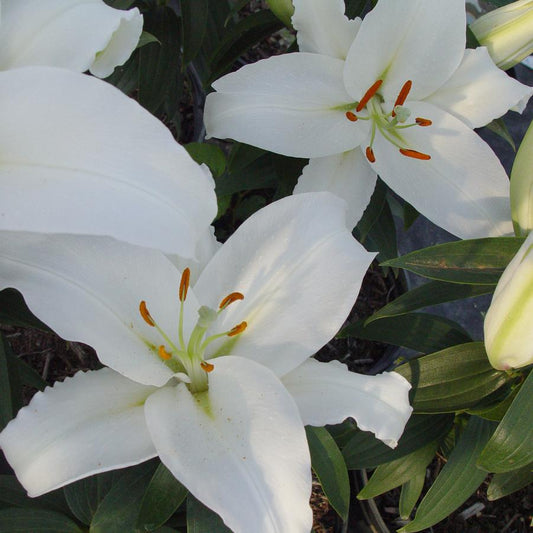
(499, 127)
(372, 212)
(15, 312)
(396, 473)
(210, 154)
(330, 468)
(411, 491)
(511, 446)
(475, 261)
(240, 38)
(118, 510)
(508, 482)
(194, 25)
(9, 385)
(37, 521)
(363, 450)
(432, 293)
(161, 499)
(147, 38)
(200, 519)
(451, 380)
(13, 494)
(422, 332)
(458, 479)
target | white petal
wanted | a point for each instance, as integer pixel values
(328, 393)
(240, 448)
(479, 91)
(300, 271)
(418, 40)
(87, 424)
(75, 34)
(88, 289)
(323, 28)
(290, 104)
(78, 156)
(347, 175)
(463, 188)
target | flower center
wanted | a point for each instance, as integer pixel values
(389, 124)
(187, 359)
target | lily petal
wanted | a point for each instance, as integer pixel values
(479, 91)
(292, 104)
(75, 152)
(328, 393)
(347, 175)
(90, 423)
(300, 271)
(88, 289)
(463, 188)
(418, 40)
(323, 28)
(75, 34)
(240, 448)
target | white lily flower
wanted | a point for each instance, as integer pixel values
(214, 378)
(78, 35)
(343, 96)
(507, 326)
(76, 153)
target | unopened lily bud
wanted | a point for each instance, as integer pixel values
(522, 186)
(507, 32)
(283, 9)
(509, 320)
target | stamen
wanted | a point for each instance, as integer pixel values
(208, 367)
(414, 154)
(184, 284)
(164, 354)
(423, 121)
(146, 314)
(402, 96)
(368, 95)
(352, 117)
(230, 298)
(370, 154)
(239, 328)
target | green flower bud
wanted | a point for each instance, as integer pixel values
(509, 320)
(522, 186)
(283, 9)
(507, 32)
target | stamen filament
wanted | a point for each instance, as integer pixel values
(146, 314)
(229, 299)
(403, 94)
(368, 95)
(423, 121)
(414, 154)
(184, 284)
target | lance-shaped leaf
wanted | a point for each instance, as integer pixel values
(511, 446)
(506, 483)
(475, 261)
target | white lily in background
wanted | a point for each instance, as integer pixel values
(215, 378)
(78, 35)
(76, 154)
(507, 326)
(396, 95)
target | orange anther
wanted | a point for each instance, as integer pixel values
(368, 95)
(414, 154)
(370, 154)
(164, 354)
(184, 284)
(239, 328)
(230, 298)
(402, 96)
(208, 367)
(146, 314)
(423, 121)
(352, 117)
